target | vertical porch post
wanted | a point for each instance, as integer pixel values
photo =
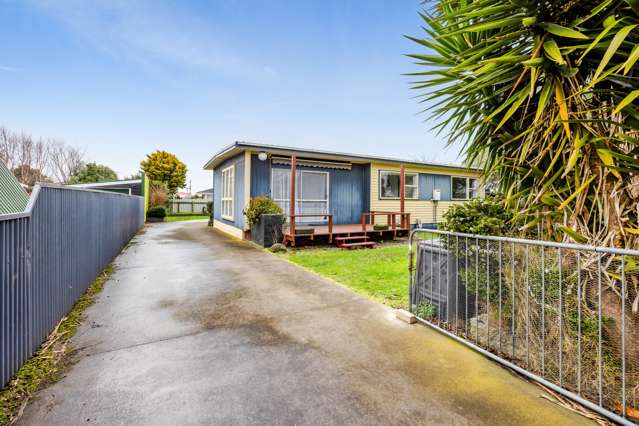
(402, 173)
(292, 200)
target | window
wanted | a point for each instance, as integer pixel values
(311, 192)
(389, 185)
(228, 188)
(464, 188)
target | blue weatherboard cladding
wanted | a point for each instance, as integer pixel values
(428, 182)
(349, 193)
(349, 190)
(238, 195)
(260, 177)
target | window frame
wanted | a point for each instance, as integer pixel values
(228, 182)
(468, 188)
(396, 172)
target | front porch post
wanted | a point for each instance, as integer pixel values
(292, 200)
(402, 173)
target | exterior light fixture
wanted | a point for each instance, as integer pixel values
(262, 156)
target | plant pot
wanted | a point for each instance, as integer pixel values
(268, 230)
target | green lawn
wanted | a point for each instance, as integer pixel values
(380, 273)
(177, 218)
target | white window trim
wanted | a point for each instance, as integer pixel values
(231, 170)
(300, 200)
(379, 185)
(468, 178)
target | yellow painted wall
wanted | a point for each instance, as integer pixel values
(426, 211)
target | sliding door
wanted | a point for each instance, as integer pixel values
(311, 192)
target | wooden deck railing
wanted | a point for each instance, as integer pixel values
(291, 228)
(391, 219)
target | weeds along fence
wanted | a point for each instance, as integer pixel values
(565, 315)
(49, 255)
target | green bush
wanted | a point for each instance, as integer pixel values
(157, 212)
(259, 206)
(479, 216)
(426, 310)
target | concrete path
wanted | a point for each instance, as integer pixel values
(197, 328)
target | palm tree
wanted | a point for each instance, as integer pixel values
(541, 93)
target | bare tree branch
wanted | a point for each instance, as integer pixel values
(41, 160)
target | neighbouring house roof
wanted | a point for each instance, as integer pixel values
(13, 197)
(239, 147)
(132, 186)
(205, 191)
(108, 183)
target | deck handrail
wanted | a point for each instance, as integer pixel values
(390, 218)
(326, 215)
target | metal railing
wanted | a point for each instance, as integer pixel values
(49, 255)
(391, 219)
(565, 315)
(291, 233)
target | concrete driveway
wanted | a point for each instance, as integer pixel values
(197, 328)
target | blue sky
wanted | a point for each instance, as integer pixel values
(123, 78)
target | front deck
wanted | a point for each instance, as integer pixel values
(346, 235)
(331, 232)
(322, 233)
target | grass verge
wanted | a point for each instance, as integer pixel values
(380, 273)
(178, 218)
(49, 361)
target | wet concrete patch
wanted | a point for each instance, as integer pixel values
(166, 303)
(225, 311)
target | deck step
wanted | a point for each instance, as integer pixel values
(356, 245)
(351, 238)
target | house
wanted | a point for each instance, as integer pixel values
(337, 193)
(181, 195)
(129, 187)
(13, 197)
(206, 194)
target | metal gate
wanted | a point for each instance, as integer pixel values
(565, 315)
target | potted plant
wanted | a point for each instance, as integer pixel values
(265, 218)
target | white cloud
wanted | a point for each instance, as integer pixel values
(8, 68)
(149, 32)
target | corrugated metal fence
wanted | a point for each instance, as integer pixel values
(49, 255)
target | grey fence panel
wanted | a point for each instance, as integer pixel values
(50, 255)
(565, 315)
(188, 205)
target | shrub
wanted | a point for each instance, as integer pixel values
(259, 206)
(209, 208)
(426, 310)
(157, 212)
(158, 194)
(479, 216)
(278, 248)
